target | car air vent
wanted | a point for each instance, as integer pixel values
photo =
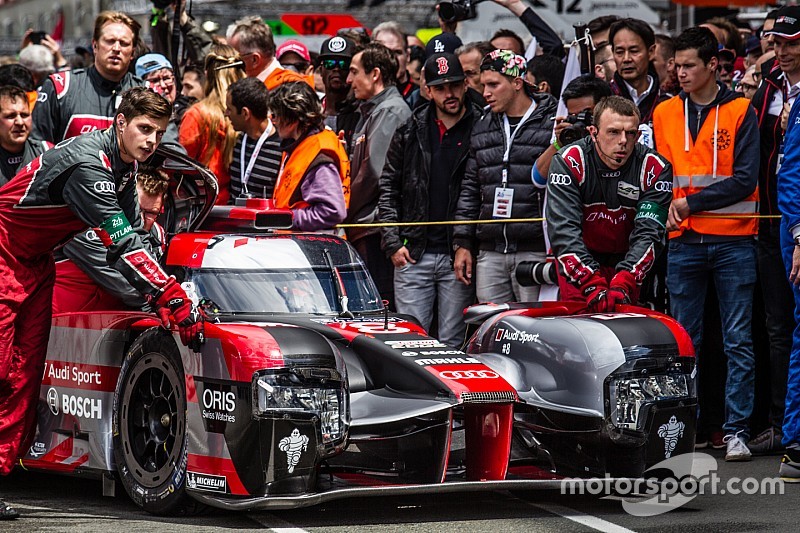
(487, 397)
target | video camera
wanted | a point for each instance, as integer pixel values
(578, 128)
(458, 10)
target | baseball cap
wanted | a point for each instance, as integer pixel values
(337, 47)
(444, 42)
(505, 62)
(293, 46)
(443, 68)
(753, 44)
(787, 23)
(151, 63)
(726, 53)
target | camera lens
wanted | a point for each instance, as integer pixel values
(530, 273)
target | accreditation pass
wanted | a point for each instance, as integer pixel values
(503, 200)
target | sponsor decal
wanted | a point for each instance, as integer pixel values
(653, 211)
(14, 160)
(651, 170)
(574, 268)
(415, 344)
(37, 450)
(610, 174)
(103, 186)
(337, 44)
(671, 432)
(52, 401)
(446, 361)
(146, 267)
(197, 481)
(613, 216)
(104, 160)
(219, 405)
(573, 157)
(663, 186)
(294, 445)
(378, 327)
(468, 374)
(520, 336)
(628, 190)
(115, 227)
(69, 373)
(79, 406)
(42, 97)
(560, 179)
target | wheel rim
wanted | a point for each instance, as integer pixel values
(153, 419)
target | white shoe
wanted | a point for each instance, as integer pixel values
(737, 449)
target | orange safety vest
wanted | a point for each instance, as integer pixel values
(693, 169)
(279, 76)
(295, 166)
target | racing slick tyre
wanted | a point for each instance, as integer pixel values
(150, 426)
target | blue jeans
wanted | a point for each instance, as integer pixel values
(732, 268)
(417, 286)
(791, 413)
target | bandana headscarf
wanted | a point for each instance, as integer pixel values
(505, 62)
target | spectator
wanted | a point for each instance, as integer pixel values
(294, 55)
(17, 147)
(372, 76)
(194, 78)
(548, 41)
(315, 178)
(205, 132)
(339, 105)
(748, 86)
(85, 281)
(416, 59)
(766, 38)
(257, 153)
(752, 51)
(74, 103)
(604, 237)
(470, 56)
(53, 49)
(252, 40)
(158, 75)
(726, 66)
(497, 182)
(393, 37)
(413, 40)
(504, 39)
(444, 42)
(664, 65)
(634, 43)
(546, 73)
(39, 60)
(715, 163)
(604, 65)
(772, 101)
(421, 182)
(726, 32)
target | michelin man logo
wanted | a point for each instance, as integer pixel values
(294, 445)
(671, 432)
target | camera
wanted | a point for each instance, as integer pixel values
(577, 129)
(37, 36)
(458, 10)
(530, 273)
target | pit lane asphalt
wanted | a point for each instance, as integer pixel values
(63, 504)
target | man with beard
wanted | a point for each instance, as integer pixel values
(338, 106)
(420, 182)
(17, 148)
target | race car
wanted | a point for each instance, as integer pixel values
(307, 389)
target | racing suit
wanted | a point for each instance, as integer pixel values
(606, 223)
(81, 182)
(11, 163)
(77, 102)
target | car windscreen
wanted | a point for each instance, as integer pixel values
(285, 291)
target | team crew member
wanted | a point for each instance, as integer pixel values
(17, 148)
(607, 203)
(84, 182)
(74, 103)
(315, 174)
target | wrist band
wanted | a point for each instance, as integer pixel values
(556, 145)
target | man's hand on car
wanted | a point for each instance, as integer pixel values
(622, 286)
(174, 302)
(594, 290)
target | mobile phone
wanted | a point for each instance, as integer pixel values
(37, 36)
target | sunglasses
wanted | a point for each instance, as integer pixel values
(726, 67)
(341, 64)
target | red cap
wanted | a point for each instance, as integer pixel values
(293, 46)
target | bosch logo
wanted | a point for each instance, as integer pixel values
(468, 374)
(103, 186)
(663, 186)
(52, 400)
(337, 44)
(560, 179)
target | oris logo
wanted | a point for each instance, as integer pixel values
(560, 179)
(663, 186)
(468, 374)
(103, 186)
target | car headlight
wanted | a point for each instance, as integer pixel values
(304, 393)
(629, 395)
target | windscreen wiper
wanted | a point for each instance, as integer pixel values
(338, 284)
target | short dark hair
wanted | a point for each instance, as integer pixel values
(252, 94)
(602, 23)
(666, 46)
(297, 102)
(504, 32)
(700, 39)
(548, 68)
(18, 76)
(734, 40)
(617, 104)
(377, 56)
(139, 101)
(13, 93)
(639, 27)
(586, 85)
(197, 70)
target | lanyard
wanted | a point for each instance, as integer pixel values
(510, 137)
(246, 172)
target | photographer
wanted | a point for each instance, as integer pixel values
(607, 203)
(580, 96)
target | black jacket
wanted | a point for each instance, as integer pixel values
(646, 106)
(484, 174)
(771, 139)
(404, 192)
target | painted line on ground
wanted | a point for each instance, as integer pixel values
(584, 519)
(275, 524)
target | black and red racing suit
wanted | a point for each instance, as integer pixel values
(78, 102)
(81, 182)
(604, 220)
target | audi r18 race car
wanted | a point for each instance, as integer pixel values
(307, 389)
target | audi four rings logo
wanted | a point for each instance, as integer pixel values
(103, 186)
(468, 374)
(663, 186)
(560, 179)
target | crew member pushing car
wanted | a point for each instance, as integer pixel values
(84, 181)
(607, 204)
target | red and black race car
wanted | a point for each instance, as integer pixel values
(306, 389)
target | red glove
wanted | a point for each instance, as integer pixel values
(623, 282)
(173, 301)
(594, 290)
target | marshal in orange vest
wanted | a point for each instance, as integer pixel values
(708, 160)
(279, 76)
(295, 166)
